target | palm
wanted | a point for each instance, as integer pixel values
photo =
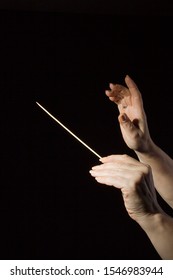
(127, 105)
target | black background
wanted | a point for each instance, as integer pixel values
(64, 58)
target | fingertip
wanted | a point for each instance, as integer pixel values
(130, 82)
(127, 76)
(107, 92)
(111, 85)
(102, 159)
(105, 159)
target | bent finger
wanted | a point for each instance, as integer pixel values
(110, 181)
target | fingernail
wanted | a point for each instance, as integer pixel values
(102, 159)
(124, 118)
(94, 167)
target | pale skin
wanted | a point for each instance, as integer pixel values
(138, 179)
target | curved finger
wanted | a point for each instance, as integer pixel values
(115, 167)
(120, 158)
(112, 170)
(117, 93)
(111, 181)
(123, 162)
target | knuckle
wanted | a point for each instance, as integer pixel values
(138, 178)
(125, 156)
(146, 169)
(111, 157)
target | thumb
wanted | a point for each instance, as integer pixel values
(126, 123)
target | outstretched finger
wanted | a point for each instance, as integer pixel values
(123, 159)
(137, 98)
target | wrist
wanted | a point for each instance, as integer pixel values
(159, 230)
(150, 152)
(153, 222)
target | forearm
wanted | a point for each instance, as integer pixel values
(162, 169)
(159, 229)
